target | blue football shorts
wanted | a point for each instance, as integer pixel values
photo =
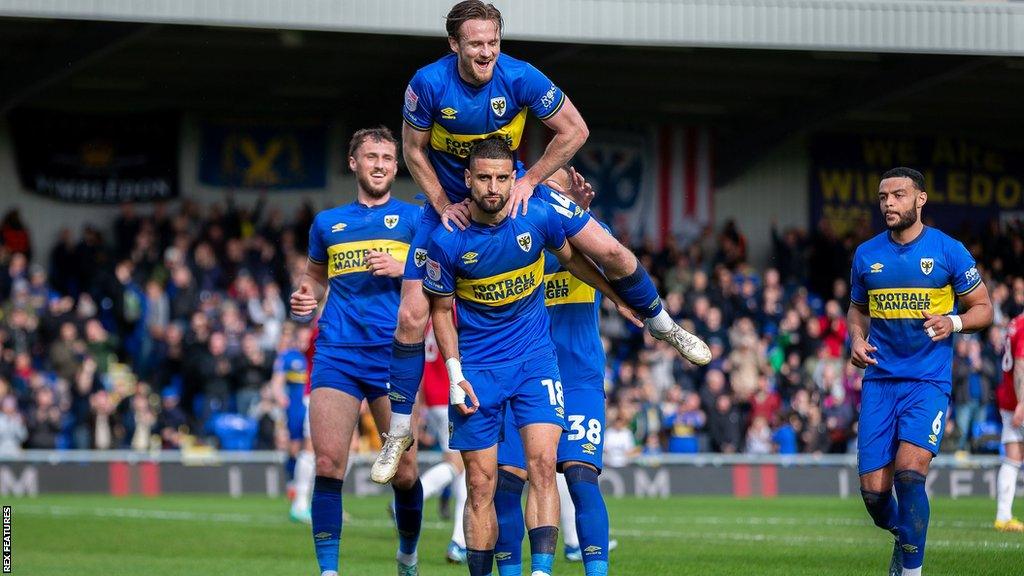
(359, 371)
(530, 390)
(582, 442)
(894, 411)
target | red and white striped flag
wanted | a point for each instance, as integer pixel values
(654, 184)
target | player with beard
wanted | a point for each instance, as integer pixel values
(358, 251)
(478, 92)
(906, 284)
(495, 269)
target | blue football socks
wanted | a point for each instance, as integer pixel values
(408, 517)
(914, 512)
(326, 515)
(405, 376)
(638, 291)
(591, 518)
(508, 503)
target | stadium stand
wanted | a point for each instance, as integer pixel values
(162, 330)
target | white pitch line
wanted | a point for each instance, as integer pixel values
(799, 540)
(279, 519)
(777, 521)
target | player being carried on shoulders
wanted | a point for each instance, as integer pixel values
(474, 93)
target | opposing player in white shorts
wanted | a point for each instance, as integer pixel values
(1010, 398)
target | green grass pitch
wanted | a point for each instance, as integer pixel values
(105, 536)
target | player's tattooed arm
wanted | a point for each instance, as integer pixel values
(311, 290)
(976, 315)
(580, 266)
(414, 150)
(859, 322)
(447, 338)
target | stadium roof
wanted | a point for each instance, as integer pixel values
(907, 26)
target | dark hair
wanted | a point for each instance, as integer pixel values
(378, 134)
(903, 172)
(495, 148)
(471, 10)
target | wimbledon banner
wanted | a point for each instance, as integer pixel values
(968, 182)
(97, 158)
(266, 155)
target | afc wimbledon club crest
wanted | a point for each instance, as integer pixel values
(420, 257)
(926, 265)
(525, 241)
(498, 105)
(391, 220)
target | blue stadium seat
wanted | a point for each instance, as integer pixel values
(235, 432)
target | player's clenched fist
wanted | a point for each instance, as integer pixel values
(938, 327)
(384, 264)
(303, 303)
(860, 353)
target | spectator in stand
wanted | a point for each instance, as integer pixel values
(14, 235)
(684, 423)
(724, 426)
(972, 388)
(619, 442)
(44, 420)
(12, 426)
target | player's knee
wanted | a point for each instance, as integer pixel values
(542, 470)
(480, 484)
(412, 321)
(876, 504)
(908, 477)
(330, 465)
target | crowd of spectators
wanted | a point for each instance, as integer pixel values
(138, 336)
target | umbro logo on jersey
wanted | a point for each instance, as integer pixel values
(338, 227)
(525, 241)
(448, 113)
(877, 267)
(391, 220)
(927, 264)
(498, 105)
(470, 258)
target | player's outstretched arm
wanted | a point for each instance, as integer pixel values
(976, 315)
(310, 292)
(414, 150)
(448, 343)
(583, 268)
(571, 133)
(859, 322)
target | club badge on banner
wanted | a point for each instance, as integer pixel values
(264, 155)
(97, 159)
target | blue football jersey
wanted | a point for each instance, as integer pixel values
(573, 307)
(457, 114)
(497, 276)
(898, 283)
(292, 364)
(361, 309)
